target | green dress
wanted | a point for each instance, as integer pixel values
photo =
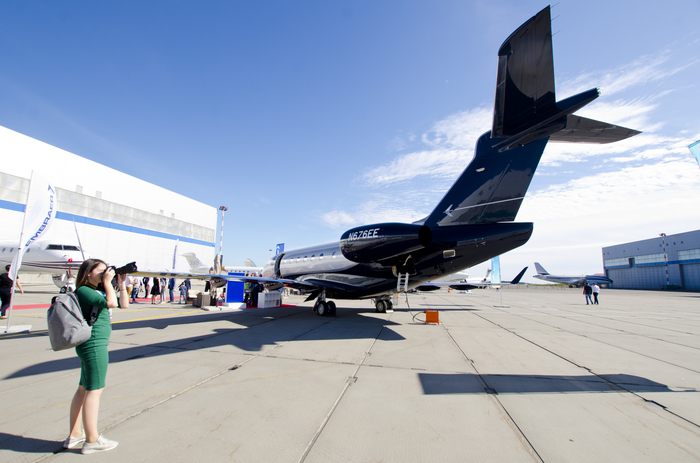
(93, 353)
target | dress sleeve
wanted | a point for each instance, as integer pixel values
(88, 298)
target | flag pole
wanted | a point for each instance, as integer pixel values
(15, 261)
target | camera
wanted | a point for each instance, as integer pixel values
(128, 268)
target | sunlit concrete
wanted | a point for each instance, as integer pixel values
(546, 379)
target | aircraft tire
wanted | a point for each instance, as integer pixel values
(381, 306)
(322, 309)
(389, 305)
(331, 308)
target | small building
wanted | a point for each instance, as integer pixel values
(647, 265)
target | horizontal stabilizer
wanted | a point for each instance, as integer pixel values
(583, 130)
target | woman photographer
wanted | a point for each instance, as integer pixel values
(93, 353)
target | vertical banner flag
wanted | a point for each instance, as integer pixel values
(175, 254)
(38, 217)
(279, 249)
(496, 270)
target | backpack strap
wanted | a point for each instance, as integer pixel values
(93, 315)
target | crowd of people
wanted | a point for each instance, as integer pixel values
(156, 288)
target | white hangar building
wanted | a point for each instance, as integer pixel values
(113, 221)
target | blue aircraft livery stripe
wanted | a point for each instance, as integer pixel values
(10, 205)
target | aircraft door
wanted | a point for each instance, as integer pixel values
(278, 261)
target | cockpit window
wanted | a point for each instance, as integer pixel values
(59, 247)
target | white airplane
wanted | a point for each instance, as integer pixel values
(469, 283)
(197, 266)
(57, 259)
(579, 280)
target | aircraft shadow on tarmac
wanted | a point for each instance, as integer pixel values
(466, 383)
(253, 331)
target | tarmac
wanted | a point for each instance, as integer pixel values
(546, 379)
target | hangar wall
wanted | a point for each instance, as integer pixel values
(118, 218)
(641, 264)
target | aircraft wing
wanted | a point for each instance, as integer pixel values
(306, 285)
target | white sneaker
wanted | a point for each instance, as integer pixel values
(100, 445)
(73, 442)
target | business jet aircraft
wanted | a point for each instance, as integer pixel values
(59, 260)
(474, 221)
(579, 280)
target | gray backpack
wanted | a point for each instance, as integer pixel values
(67, 326)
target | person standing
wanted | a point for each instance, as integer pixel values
(155, 290)
(171, 289)
(587, 291)
(93, 353)
(183, 292)
(136, 289)
(6, 290)
(163, 288)
(596, 290)
(146, 287)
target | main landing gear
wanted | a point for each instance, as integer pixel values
(383, 305)
(324, 308)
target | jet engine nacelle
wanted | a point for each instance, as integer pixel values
(379, 242)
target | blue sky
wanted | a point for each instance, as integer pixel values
(309, 118)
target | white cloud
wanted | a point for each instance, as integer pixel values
(644, 70)
(451, 144)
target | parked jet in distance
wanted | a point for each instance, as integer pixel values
(466, 284)
(580, 280)
(474, 220)
(59, 260)
(197, 266)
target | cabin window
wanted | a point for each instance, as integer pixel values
(3, 249)
(313, 257)
(304, 258)
(320, 256)
(333, 256)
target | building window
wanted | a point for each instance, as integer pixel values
(621, 262)
(691, 254)
(650, 259)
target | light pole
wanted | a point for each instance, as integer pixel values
(663, 244)
(220, 258)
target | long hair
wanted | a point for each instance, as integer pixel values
(85, 269)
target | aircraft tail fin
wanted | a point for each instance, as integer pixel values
(526, 114)
(540, 269)
(518, 277)
(192, 260)
(249, 263)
